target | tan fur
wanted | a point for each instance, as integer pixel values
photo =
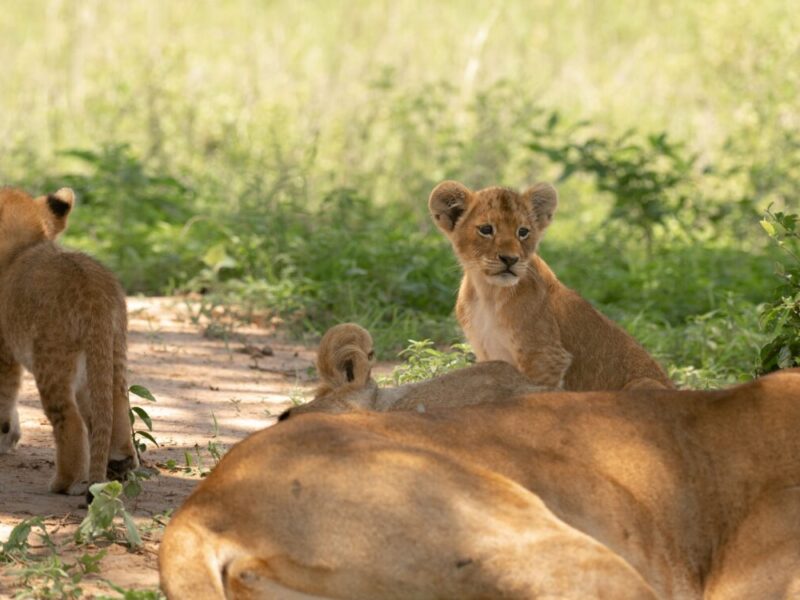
(521, 312)
(62, 317)
(345, 358)
(546, 495)
(347, 349)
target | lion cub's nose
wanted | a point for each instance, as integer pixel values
(509, 261)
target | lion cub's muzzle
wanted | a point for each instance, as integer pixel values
(505, 270)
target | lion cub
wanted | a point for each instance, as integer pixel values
(345, 359)
(62, 317)
(512, 307)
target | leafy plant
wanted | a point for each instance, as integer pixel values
(781, 317)
(137, 205)
(424, 361)
(45, 576)
(140, 435)
(128, 594)
(103, 512)
(52, 578)
(647, 177)
(16, 547)
(196, 463)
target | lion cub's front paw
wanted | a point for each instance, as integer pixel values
(9, 433)
(118, 469)
(70, 488)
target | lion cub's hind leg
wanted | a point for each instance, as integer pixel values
(55, 375)
(10, 376)
(122, 455)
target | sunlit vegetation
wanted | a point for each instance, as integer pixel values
(278, 156)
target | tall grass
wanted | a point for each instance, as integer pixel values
(279, 154)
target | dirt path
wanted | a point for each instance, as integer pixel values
(207, 390)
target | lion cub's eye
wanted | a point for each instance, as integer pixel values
(523, 232)
(486, 230)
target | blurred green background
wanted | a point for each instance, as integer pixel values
(277, 156)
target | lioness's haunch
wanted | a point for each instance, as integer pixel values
(344, 362)
(62, 317)
(698, 492)
(512, 307)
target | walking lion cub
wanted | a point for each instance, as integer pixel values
(512, 307)
(63, 318)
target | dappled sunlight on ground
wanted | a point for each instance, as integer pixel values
(207, 391)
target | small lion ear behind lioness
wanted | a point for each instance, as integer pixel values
(447, 203)
(57, 207)
(345, 357)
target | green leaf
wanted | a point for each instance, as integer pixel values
(147, 435)
(90, 563)
(105, 508)
(17, 542)
(785, 359)
(217, 258)
(132, 488)
(142, 392)
(143, 416)
(132, 533)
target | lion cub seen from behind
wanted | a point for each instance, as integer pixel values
(512, 307)
(62, 317)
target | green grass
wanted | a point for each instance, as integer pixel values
(278, 156)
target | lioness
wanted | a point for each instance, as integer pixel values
(698, 491)
(344, 363)
(62, 317)
(512, 307)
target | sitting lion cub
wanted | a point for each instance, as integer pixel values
(512, 307)
(62, 317)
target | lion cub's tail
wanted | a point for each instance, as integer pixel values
(100, 383)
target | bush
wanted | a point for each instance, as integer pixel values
(781, 317)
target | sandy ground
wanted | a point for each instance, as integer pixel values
(207, 390)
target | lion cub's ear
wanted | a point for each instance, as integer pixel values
(345, 357)
(447, 203)
(544, 200)
(57, 208)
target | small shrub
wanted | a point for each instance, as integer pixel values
(16, 547)
(647, 177)
(781, 317)
(105, 509)
(137, 412)
(424, 361)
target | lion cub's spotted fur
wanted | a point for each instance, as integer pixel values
(62, 317)
(512, 307)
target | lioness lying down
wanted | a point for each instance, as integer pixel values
(638, 494)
